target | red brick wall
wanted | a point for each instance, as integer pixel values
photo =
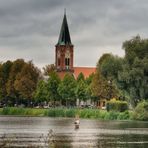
(62, 50)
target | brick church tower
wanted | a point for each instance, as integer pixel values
(64, 50)
(64, 55)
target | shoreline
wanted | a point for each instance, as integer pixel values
(67, 112)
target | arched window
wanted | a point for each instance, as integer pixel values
(67, 59)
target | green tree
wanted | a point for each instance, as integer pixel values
(49, 69)
(81, 90)
(4, 77)
(89, 79)
(26, 81)
(80, 77)
(41, 93)
(133, 78)
(135, 47)
(101, 88)
(103, 58)
(109, 66)
(18, 81)
(67, 89)
(15, 70)
(52, 85)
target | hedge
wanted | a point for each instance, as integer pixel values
(117, 105)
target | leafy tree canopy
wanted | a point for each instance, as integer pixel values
(49, 69)
(109, 66)
(135, 47)
(53, 84)
(80, 77)
(41, 93)
(67, 87)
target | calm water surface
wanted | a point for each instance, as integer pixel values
(60, 133)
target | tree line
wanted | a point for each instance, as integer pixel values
(23, 83)
(18, 81)
(64, 91)
(128, 75)
(122, 78)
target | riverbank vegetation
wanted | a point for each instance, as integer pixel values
(125, 79)
(116, 105)
(141, 111)
(60, 112)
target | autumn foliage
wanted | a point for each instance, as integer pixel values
(18, 81)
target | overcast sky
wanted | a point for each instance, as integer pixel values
(29, 29)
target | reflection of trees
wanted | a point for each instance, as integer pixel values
(122, 140)
(63, 139)
(134, 140)
(107, 141)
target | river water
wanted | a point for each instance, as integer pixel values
(60, 133)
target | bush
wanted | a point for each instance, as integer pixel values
(141, 111)
(70, 112)
(113, 115)
(1, 110)
(124, 115)
(117, 105)
(13, 111)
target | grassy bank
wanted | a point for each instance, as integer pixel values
(60, 112)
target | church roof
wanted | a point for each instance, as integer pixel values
(64, 38)
(87, 71)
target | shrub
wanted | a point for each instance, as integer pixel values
(5, 111)
(58, 112)
(52, 113)
(124, 115)
(70, 112)
(117, 105)
(1, 110)
(111, 115)
(141, 111)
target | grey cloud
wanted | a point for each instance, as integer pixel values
(30, 29)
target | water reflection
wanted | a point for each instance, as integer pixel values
(33, 131)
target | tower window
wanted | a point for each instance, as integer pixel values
(58, 62)
(67, 63)
(67, 59)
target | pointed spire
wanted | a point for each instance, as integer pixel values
(64, 38)
(65, 11)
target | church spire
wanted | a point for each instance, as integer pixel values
(64, 38)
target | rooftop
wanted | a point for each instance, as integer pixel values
(87, 71)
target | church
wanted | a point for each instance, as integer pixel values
(64, 55)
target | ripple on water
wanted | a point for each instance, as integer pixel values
(27, 131)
